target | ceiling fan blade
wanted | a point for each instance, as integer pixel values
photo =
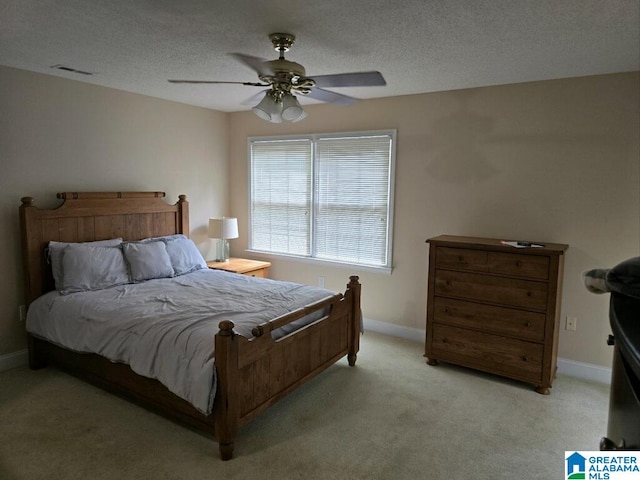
(331, 97)
(254, 99)
(356, 79)
(258, 64)
(253, 84)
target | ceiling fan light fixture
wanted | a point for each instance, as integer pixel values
(291, 108)
(269, 108)
(277, 106)
(276, 118)
(302, 116)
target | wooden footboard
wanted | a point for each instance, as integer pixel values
(255, 373)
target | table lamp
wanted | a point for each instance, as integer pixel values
(223, 229)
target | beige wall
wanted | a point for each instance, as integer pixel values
(555, 161)
(61, 135)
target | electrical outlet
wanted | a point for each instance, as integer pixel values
(572, 324)
(321, 282)
(22, 310)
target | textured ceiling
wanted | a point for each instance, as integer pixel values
(418, 45)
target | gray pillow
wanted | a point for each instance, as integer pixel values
(55, 255)
(185, 256)
(164, 238)
(147, 260)
(86, 267)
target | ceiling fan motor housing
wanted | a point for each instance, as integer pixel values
(287, 76)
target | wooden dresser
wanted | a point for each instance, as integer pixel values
(494, 307)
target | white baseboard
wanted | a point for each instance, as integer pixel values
(572, 368)
(13, 360)
(408, 333)
(585, 371)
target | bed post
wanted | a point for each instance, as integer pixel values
(355, 325)
(31, 269)
(226, 401)
(30, 251)
(183, 215)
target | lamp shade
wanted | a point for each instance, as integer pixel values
(225, 227)
(269, 109)
(277, 106)
(291, 109)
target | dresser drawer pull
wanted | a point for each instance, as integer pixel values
(445, 340)
(528, 324)
(461, 258)
(529, 294)
(525, 358)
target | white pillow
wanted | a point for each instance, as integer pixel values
(147, 260)
(55, 255)
(185, 256)
(86, 267)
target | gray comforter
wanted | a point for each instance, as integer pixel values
(164, 329)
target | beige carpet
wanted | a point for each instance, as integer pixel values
(390, 417)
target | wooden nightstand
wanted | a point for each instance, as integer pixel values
(244, 266)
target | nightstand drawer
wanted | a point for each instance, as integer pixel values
(521, 324)
(492, 289)
(262, 273)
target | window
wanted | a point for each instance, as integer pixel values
(327, 197)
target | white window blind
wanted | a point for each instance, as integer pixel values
(324, 196)
(281, 191)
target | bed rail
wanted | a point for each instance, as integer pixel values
(282, 320)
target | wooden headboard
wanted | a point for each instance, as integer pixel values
(88, 216)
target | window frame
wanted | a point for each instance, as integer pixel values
(314, 138)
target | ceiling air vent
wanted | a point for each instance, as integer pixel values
(69, 69)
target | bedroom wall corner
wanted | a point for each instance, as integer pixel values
(58, 135)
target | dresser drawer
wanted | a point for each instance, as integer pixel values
(511, 264)
(462, 259)
(511, 292)
(503, 321)
(528, 266)
(486, 351)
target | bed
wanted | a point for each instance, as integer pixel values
(253, 370)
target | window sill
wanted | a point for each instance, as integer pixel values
(353, 268)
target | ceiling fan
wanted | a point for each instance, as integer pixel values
(286, 79)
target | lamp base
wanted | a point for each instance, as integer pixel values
(222, 250)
